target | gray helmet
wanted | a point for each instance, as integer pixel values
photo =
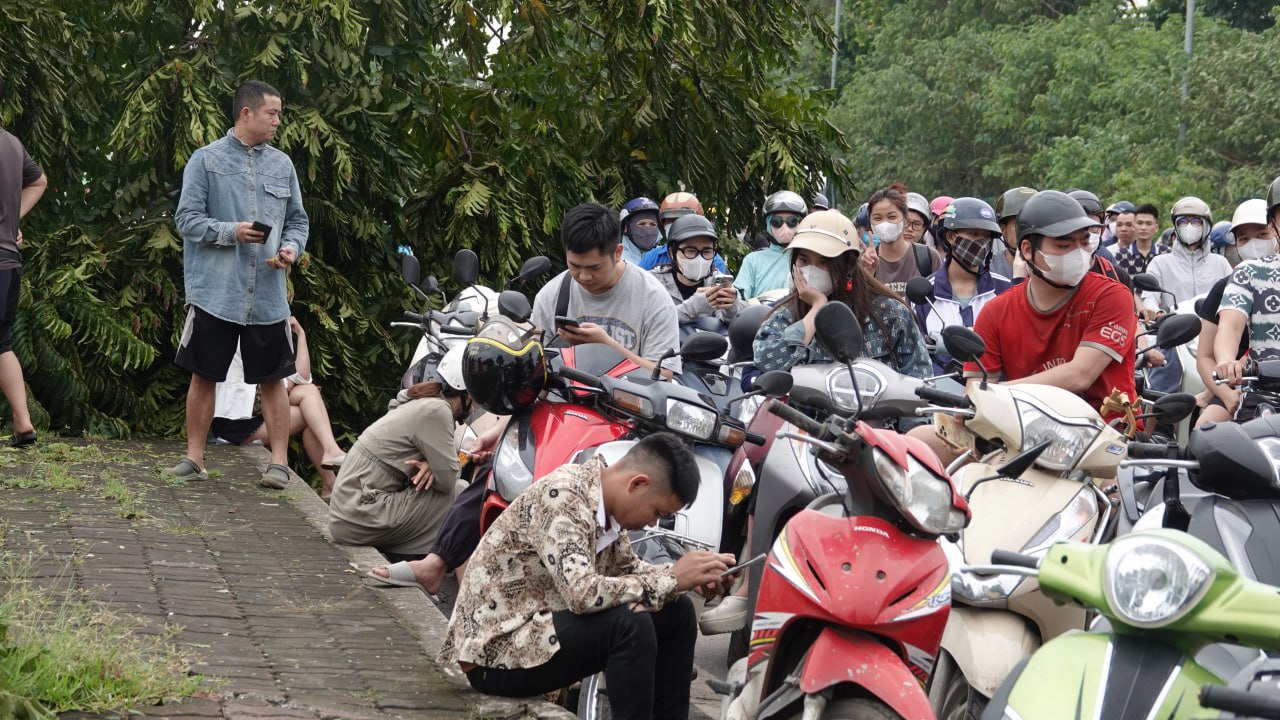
(687, 227)
(1124, 206)
(969, 213)
(1051, 213)
(1273, 197)
(1008, 204)
(920, 204)
(1090, 202)
(785, 201)
(820, 202)
(1191, 207)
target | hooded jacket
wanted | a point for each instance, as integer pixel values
(1185, 273)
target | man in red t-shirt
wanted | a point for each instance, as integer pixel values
(1065, 326)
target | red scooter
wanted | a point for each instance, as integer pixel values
(856, 589)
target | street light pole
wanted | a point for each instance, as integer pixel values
(1186, 75)
(829, 187)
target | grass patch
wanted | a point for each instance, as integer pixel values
(130, 499)
(63, 452)
(70, 652)
(44, 477)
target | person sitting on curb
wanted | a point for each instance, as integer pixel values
(554, 592)
(401, 476)
(234, 421)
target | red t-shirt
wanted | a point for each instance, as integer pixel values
(1023, 341)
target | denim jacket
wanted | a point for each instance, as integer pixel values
(227, 182)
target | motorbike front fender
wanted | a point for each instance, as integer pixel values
(841, 656)
(987, 644)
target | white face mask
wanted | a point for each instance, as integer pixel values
(695, 268)
(887, 231)
(1190, 234)
(1067, 270)
(1256, 249)
(816, 277)
(1095, 239)
(1111, 227)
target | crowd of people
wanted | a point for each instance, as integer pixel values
(552, 592)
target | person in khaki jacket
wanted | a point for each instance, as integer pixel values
(554, 592)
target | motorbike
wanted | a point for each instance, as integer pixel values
(1166, 594)
(1184, 352)
(1251, 694)
(855, 591)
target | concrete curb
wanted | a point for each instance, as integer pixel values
(412, 607)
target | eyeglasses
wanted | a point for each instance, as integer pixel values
(790, 221)
(690, 253)
(914, 225)
(1185, 221)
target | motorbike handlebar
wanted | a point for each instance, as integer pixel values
(1008, 557)
(795, 417)
(451, 330)
(756, 438)
(1240, 702)
(578, 376)
(1148, 451)
(414, 317)
(941, 397)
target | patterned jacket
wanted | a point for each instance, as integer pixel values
(779, 343)
(540, 557)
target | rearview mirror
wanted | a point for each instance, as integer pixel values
(466, 268)
(1023, 461)
(431, 285)
(1146, 282)
(514, 305)
(775, 383)
(1178, 330)
(963, 344)
(1174, 407)
(920, 290)
(839, 331)
(410, 270)
(704, 347)
(532, 268)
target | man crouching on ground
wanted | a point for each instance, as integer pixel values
(554, 593)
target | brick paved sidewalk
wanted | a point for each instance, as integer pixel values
(283, 617)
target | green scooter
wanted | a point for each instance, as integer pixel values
(1167, 595)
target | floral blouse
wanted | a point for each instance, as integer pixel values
(779, 343)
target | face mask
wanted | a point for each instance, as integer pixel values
(1095, 239)
(887, 231)
(782, 235)
(1111, 227)
(694, 268)
(971, 255)
(816, 277)
(1190, 234)
(1256, 249)
(1066, 270)
(643, 237)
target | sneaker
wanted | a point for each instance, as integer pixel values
(187, 469)
(728, 616)
(275, 477)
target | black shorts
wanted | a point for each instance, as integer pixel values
(235, 431)
(208, 344)
(10, 287)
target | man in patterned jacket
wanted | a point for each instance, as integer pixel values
(554, 592)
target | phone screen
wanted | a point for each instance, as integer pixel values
(566, 321)
(739, 568)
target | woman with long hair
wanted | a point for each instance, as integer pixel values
(825, 268)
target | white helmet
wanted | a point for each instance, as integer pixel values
(1250, 212)
(1191, 206)
(450, 369)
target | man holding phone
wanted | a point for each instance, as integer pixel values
(697, 288)
(242, 221)
(612, 301)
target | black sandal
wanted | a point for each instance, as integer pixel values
(23, 439)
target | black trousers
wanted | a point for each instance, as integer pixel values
(647, 658)
(460, 530)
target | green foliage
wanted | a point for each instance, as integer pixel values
(1252, 15)
(433, 125)
(1090, 99)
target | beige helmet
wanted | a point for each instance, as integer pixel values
(1191, 207)
(828, 233)
(1250, 212)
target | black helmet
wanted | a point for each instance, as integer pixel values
(1090, 202)
(1273, 197)
(690, 226)
(1051, 213)
(820, 202)
(969, 213)
(1124, 206)
(502, 374)
(1008, 204)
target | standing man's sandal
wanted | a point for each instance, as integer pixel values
(23, 439)
(187, 469)
(275, 477)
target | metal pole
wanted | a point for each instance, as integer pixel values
(830, 189)
(1186, 75)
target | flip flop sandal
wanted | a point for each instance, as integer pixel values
(275, 477)
(187, 469)
(333, 463)
(399, 575)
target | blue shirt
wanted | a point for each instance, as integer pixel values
(950, 311)
(762, 271)
(225, 183)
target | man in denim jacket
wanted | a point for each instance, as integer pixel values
(242, 224)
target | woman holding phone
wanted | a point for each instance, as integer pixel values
(689, 275)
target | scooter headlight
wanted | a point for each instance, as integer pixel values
(840, 387)
(1151, 582)
(919, 494)
(689, 419)
(510, 473)
(1068, 439)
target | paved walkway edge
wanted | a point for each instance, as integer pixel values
(413, 608)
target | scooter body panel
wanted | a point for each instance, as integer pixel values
(841, 657)
(987, 644)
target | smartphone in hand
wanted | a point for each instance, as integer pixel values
(722, 279)
(743, 566)
(263, 228)
(566, 321)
